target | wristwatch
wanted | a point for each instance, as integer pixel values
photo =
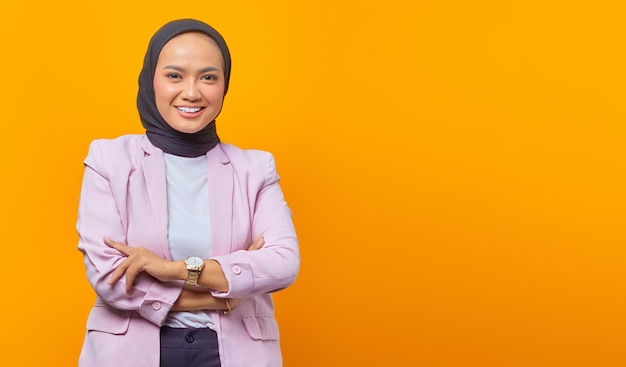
(194, 267)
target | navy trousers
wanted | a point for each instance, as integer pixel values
(189, 348)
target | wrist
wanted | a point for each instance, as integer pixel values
(181, 270)
(194, 266)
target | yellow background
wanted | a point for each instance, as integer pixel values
(456, 170)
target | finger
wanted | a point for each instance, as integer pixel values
(257, 244)
(131, 275)
(236, 302)
(118, 272)
(126, 250)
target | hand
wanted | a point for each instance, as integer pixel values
(193, 300)
(234, 303)
(257, 243)
(140, 259)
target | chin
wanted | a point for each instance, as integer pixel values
(188, 129)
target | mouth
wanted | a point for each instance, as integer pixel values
(189, 109)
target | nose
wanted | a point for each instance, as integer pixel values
(191, 91)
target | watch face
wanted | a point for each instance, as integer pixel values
(194, 262)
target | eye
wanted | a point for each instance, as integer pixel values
(209, 77)
(173, 76)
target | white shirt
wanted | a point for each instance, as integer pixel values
(189, 223)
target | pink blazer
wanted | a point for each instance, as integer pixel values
(124, 198)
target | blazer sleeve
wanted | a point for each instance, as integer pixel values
(276, 265)
(101, 214)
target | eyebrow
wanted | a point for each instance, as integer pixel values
(203, 70)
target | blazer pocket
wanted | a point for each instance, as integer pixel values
(108, 319)
(261, 327)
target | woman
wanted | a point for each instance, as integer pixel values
(184, 237)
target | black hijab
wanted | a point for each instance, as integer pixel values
(158, 131)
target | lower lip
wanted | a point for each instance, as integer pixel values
(190, 114)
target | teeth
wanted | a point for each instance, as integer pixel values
(189, 109)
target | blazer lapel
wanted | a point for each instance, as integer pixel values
(156, 184)
(221, 187)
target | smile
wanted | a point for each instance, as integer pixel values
(189, 109)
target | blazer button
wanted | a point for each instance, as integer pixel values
(237, 269)
(156, 306)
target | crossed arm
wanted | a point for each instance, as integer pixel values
(140, 259)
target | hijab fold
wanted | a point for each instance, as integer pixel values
(159, 132)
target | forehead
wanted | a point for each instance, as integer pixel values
(195, 45)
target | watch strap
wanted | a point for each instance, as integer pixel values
(192, 276)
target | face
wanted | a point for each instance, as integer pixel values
(189, 82)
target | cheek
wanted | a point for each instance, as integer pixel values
(163, 96)
(215, 95)
(161, 90)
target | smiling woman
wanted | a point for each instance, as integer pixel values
(189, 82)
(184, 237)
